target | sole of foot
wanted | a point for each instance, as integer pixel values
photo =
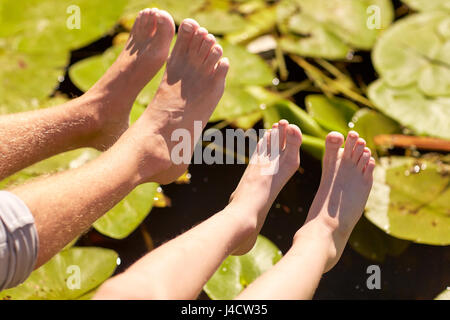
(269, 170)
(191, 88)
(347, 179)
(143, 56)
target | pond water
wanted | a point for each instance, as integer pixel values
(421, 272)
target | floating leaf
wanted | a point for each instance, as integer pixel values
(329, 29)
(369, 123)
(409, 199)
(334, 114)
(424, 115)
(427, 5)
(294, 114)
(26, 79)
(415, 51)
(53, 281)
(220, 17)
(374, 244)
(236, 273)
(259, 23)
(38, 25)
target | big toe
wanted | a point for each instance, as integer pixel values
(186, 31)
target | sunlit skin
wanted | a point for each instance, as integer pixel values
(101, 115)
(347, 179)
(66, 204)
(186, 263)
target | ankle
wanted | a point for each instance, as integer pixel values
(243, 215)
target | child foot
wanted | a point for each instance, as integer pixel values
(347, 178)
(144, 54)
(266, 175)
(192, 86)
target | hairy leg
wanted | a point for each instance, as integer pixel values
(101, 115)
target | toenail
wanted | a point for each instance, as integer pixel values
(188, 27)
(334, 139)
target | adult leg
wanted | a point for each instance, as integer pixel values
(101, 115)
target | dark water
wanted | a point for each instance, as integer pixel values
(421, 272)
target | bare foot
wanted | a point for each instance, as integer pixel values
(113, 95)
(347, 178)
(266, 175)
(192, 86)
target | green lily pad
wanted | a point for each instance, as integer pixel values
(128, 214)
(243, 93)
(409, 199)
(424, 115)
(313, 134)
(289, 111)
(236, 273)
(246, 68)
(444, 295)
(330, 29)
(258, 23)
(427, 5)
(219, 17)
(373, 243)
(53, 281)
(26, 79)
(415, 51)
(369, 123)
(333, 114)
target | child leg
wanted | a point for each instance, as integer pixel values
(318, 245)
(180, 268)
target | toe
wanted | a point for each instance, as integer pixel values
(350, 144)
(362, 163)
(165, 27)
(196, 42)
(291, 153)
(368, 172)
(358, 151)
(205, 48)
(214, 56)
(333, 144)
(275, 148)
(145, 23)
(294, 138)
(221, 70)
(185, 33)
(283, 125)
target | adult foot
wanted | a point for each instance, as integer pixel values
(145, 52)
(347, 179)
(192, 86)
(266, 175)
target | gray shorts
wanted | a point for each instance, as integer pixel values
(18, 241)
